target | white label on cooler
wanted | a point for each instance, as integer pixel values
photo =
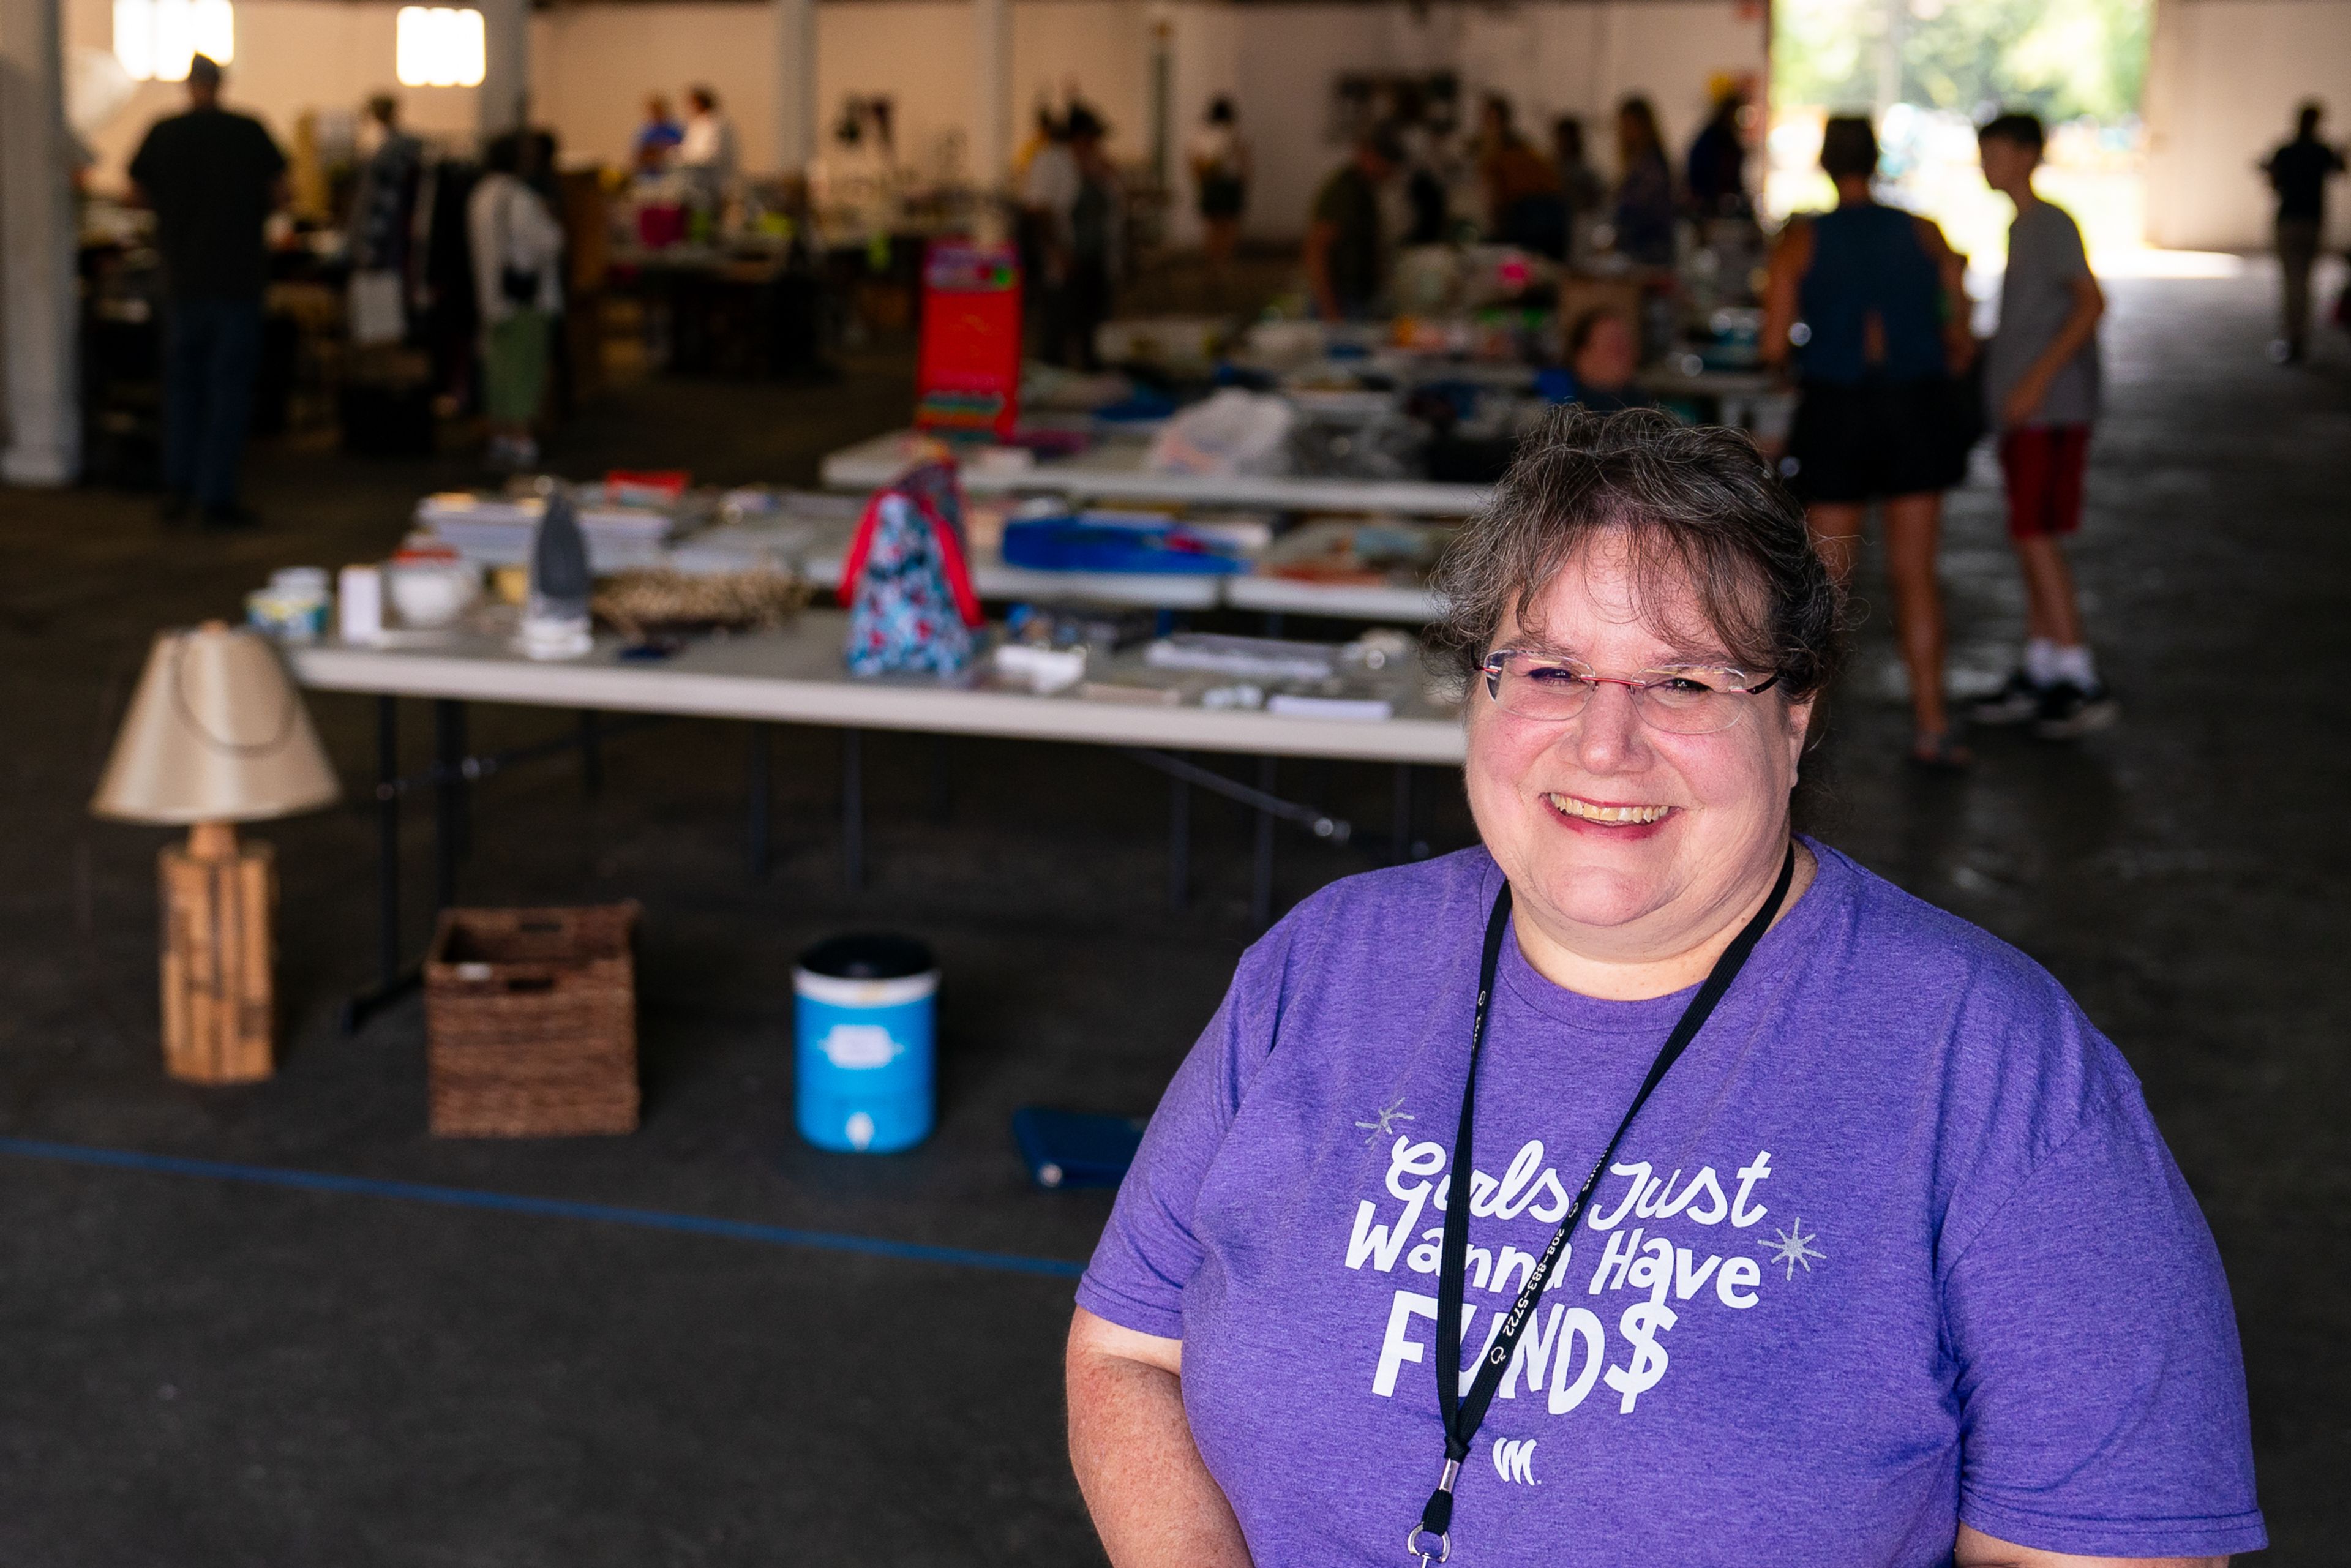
(860, 1045)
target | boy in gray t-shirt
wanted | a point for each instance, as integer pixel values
(2040, 388)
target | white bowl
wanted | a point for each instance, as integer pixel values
(432, 594)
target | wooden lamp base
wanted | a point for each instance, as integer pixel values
(219, 903)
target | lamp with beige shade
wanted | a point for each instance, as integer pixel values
(216, 734)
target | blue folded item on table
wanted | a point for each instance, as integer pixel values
(1140, 407)
(1075, 1148)
(1102, 541)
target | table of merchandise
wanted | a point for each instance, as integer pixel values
(1153, 715)
(810, 533)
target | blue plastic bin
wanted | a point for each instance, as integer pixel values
(862, 1043)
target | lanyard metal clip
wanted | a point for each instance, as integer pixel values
(1436, 1520)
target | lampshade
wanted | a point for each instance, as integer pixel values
(216, 733)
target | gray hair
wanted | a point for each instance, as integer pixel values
(1701, 510)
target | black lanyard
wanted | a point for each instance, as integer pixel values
(1464, 1412)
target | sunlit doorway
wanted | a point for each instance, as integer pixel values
(1931, 70)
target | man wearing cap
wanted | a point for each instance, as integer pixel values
(1346, 262)
(212, 178)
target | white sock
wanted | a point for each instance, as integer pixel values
(2076, 666)
(2040, 661)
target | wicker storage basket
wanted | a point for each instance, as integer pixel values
(531, 1022)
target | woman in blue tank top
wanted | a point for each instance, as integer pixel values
(1869, 297)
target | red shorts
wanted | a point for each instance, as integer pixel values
(2044, 464)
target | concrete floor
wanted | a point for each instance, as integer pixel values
(201, 1369)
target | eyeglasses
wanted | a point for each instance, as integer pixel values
(1679, 699)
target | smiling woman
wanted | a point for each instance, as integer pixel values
(1884, 1262)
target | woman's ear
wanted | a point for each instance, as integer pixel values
(1800, 736)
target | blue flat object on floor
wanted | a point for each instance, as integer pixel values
(1075, 1148)
(1095, 544)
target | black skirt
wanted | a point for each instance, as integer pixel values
(1870, 440)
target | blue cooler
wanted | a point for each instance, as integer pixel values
(862, 1009)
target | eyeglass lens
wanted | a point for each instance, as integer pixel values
(1678, 701)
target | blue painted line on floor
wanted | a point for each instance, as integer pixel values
(542, 1207)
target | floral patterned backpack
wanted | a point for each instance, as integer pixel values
(907, 579)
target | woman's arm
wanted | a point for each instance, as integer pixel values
(1153, 1502)
(1792, 256)
(1976, 1550)
(1959, 330)
(1321, 236)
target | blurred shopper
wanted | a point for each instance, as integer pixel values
(1603, 354)
(1878, 293)
(1429, 165)
(1522, 200)
(382, 224)
(707, 151)
(2040, 381)
(1346, 258)
(1645, 187)
(212, 178)
(1579, 184)
(1715, 175)
(1043, 133)
(1219, 157)
(658, 137)
(1073, 201)
(517, 248)
(2298, 173)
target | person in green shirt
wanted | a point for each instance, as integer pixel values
(1346, 259)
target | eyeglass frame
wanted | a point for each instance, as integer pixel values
(1491, 668)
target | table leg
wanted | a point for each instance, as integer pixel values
(1400, 846)
(761, 798)
(1261, 883)
(591, 752)
(852, 809)
(392, 980)
(387, 840)
(448, 798)
(1179, 843)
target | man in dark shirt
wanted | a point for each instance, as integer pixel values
(2298, 173)
(212, 178)
(1346, 258)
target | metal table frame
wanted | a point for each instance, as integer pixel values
(1164, 739)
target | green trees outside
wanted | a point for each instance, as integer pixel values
(2066, 59)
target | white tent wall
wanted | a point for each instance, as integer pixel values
(291, 56)
(2222, 84)
(591, 65)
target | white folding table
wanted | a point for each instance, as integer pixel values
(796, 677)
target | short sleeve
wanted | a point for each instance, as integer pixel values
(145, 171)
(2067, 259)
(267, 155)
(2101, 1391)
(1149, 1252)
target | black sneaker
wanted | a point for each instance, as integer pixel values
(2068, 711)
(2018, 700)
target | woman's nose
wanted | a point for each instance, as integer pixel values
(1607, 734)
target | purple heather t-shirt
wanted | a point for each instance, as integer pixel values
(1895, 1245)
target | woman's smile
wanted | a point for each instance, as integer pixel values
(1609, 819)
